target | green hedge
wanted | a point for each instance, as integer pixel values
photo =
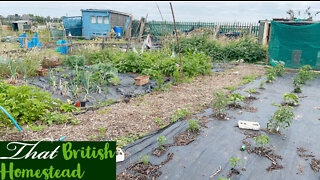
(246, 48)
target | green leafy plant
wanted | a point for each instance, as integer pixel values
(219, 105)
(250, 91)
(115, 81)
(162, 140)
(193, 125)
(279, 69)
(27, 104)
(234, 162)
(271, 75)
(262, 141)
(297, 84)
(179, 114)
(73, 62)
(234, 98)
(158, 121)
(305, 74)
(144, 159)
(281, 118)
(36, 128)
(261, 86)
(290, 98)
(230, 88)
(247, 79)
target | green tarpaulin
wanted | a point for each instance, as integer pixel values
(296, 46)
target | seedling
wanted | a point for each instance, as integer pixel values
(102, 131)
(261, 84)
(270, 76)
(262, 141)
(230, 88)
(158, 121)
(179, 114)
(297, 84)
(144, 159)
(234, 98)
(161, 142)
(219, 105)
(305, 74)
(247, 79)
(115, 81)
(250, 91)
(291, 98)
(279, 69)
(193, 125)
(234, 162)
(281, 118)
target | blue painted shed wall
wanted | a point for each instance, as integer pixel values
(73, 25)
(89, 29)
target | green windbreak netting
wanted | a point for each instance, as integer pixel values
(296, 46)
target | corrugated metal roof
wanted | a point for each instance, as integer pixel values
(106, 10)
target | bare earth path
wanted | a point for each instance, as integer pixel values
(139, 114)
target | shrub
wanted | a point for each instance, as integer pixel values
(246, 48)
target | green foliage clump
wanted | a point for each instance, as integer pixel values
(234, 162)
(73, 62)
(291, 98)
(279, 69)
(234, 98)
(281, 118)
(219, 105)
(193, 125)
(144, 159)
(162, 140)
(28, 104)
(246, 48)
(262, 141)
(179, 114)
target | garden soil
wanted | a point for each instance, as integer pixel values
(296, 151)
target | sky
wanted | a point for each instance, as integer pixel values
(192, 11)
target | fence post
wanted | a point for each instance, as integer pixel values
(70, 41)
(25, 43)
(217, 31)
(103, 40)
(250, 29)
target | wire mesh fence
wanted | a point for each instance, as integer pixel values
(161, 28)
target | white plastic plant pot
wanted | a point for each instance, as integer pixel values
(249, 125)
(120, 155)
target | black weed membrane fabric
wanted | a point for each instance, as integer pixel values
(297, 148)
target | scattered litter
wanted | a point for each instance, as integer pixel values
(243, 147)
(236, 72)
(217, 172)
(120, 155)
(248, 125)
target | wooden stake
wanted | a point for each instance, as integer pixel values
(175, 27)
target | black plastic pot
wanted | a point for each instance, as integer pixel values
(83, 104)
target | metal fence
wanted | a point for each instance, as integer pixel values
(160, 28)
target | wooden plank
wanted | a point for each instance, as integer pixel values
(128, 32)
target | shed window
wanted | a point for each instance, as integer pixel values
(99, 19)
(105, 19)
(93, 20)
